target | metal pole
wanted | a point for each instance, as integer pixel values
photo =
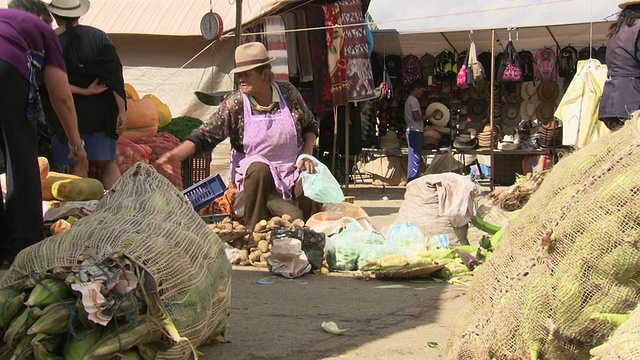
(347, 117)
(238, 32)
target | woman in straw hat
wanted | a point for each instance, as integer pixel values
(269, 125)
(621, 93)
(29, 46)
(97, 83)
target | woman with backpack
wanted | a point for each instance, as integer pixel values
(621, 93)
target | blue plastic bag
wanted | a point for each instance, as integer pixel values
(407, 238)
(320, 186)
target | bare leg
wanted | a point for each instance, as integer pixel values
(109, 172)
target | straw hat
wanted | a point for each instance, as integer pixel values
(475, 92)
(624, 4)
(477, 109)
(544, 113)
(441, 118)
(513, 93)
(250, 56)
(528, 109)
(498, 90)
(69, 8)
(497, 111)
(431, 139)
(548, 91)
(529, 90)
(511, 114)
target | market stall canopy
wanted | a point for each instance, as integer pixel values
(169, 17)
(431, 27)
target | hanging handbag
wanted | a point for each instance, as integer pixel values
(510, 69)
(475, 67)
(461, 78)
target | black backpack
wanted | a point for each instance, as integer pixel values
(393, 66)
(527, 60)
(601, 54)
(568, 62)
(485, 59)
(586, 52)
(445, 65)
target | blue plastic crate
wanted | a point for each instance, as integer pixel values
(204, 192)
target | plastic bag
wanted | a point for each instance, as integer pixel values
(320, 186)
(312, 243)
(406, 238)
(353, 247)
(287, 258)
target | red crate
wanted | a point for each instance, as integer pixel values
(195, 169)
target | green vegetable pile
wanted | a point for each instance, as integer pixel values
(182, 126)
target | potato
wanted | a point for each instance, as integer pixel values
(287, 217)
(265, 256)
(262, 225)
(255, 255)
(263, 246)
(298, 224)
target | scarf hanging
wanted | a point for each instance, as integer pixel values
(359, 73)
(292, 46)
(304, 51)
(277, 47)
(322, 100)
(335, 54)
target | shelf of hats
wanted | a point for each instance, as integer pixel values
(526, 135)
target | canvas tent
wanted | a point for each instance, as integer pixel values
(163, 51)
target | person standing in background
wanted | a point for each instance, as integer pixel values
(621, 93)
(415, 127)
(29, 45)
(97, 83)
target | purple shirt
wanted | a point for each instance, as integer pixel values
(21, 35)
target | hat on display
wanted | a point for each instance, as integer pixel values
(513, 93)
(69, 8)
(431, 138)
(528, 109)
(624, 4)
(498, 91)
(477, 109)
(250, 56)
(497, 111)
(548, 91)
(442, 115)
(544, 113)
(510, 114)
(475, 92)
(529, 90)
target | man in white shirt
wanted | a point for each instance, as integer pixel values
(415, 127)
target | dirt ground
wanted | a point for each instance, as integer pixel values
(386, 319)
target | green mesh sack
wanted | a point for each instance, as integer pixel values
(145, 218)
(572, 251)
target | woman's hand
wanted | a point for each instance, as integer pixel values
(121, 123)
(306, 164)
(95, 88)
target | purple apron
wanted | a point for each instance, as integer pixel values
(271, 139)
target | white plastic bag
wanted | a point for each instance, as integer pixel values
(320, 186)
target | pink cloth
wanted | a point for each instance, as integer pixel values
(270, 139)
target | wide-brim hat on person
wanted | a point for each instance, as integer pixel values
(441, 118)
(69, 8)
(528, 109)
(544, 112)
(477, 109)
(624, 4)
(529, 90)
(250, 56)
(548, 91)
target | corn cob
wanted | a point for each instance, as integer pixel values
(484, 226)
(147, 352)
(10, 308)
(131, 354)
(54, 319)
(47, 292)
(77, 348)
(18, 327)
(44, 345)
(613, 319)
(23, 349)
(147, 330)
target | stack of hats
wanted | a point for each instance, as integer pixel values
(465, 140)
(509, 142)
(548, 92)
(528, 134)
(484, 138)
(550, 134)
(432, 138)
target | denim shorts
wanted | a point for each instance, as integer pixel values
(99, 147)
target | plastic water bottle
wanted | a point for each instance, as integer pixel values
(438, 242)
